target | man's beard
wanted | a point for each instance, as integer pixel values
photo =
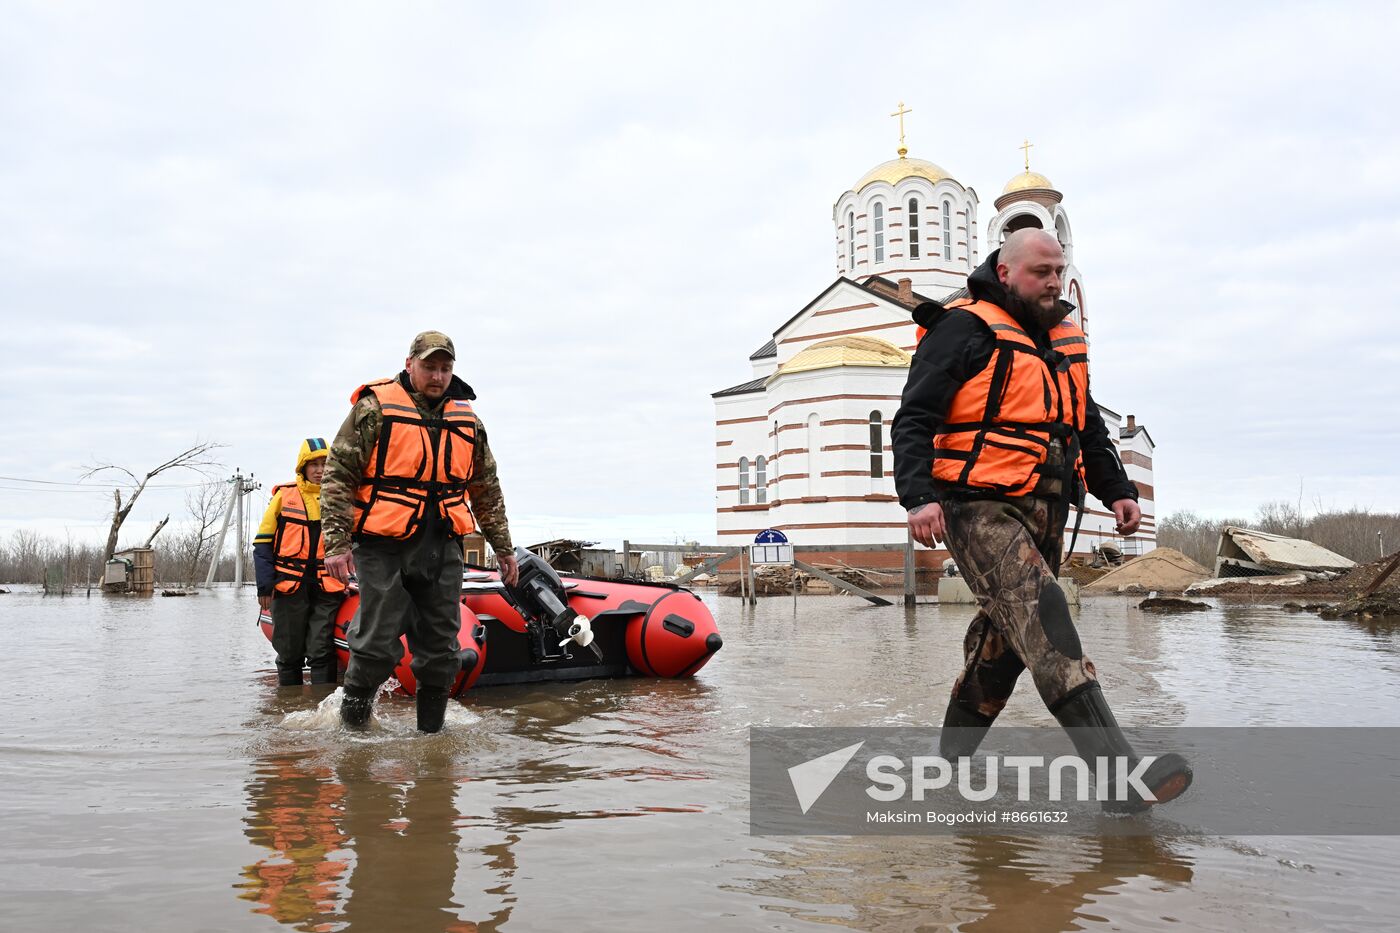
(1033, 313)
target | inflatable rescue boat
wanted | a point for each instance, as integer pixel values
(560, 627)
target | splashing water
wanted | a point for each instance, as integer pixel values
(389, 714)
(324, 717)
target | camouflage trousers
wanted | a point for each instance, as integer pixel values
(1009, 553)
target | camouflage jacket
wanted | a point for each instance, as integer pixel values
(351, 449)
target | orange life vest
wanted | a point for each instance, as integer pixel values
(1002, 421)
(417, 464)
(292, 543)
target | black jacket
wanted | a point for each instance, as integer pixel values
(957, 347)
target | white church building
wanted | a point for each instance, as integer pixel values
(803, 445)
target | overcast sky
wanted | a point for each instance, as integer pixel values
(218, 219)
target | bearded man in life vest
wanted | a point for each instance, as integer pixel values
(409, 474)
(995, 434)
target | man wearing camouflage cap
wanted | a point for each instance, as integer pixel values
(408, 475)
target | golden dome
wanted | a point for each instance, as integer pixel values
(896, 170)
(1026, 181)
(846, 351)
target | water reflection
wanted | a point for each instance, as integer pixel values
(400, 816)
(967, 883)
(397, 831)
(1047, 884)
(294, 816)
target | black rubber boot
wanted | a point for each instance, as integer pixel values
(288, 676)
(324, 673)
(1095, 734)
(432, 708)
(963, 731)
(355, 708)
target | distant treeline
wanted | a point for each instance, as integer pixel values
(1351, 533)
(181, 559)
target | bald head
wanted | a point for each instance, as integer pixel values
(1030, 265)
(1027, 240)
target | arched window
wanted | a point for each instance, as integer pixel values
(743, 480)
(761, 480)
(971, 235)
(947, 229)
(913, 228)
(851, 239)
(877, 445)
(878, 228)
(1019, 222)
(811, 453)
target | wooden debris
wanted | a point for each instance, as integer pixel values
(1171, 604)
(777, 579)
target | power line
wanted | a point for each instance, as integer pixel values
(53, 482)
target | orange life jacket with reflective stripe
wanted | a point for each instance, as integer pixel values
(1001, 422)
(417, 464)
(296, 535)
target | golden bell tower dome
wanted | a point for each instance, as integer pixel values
(1028, 186)
(1028, 181)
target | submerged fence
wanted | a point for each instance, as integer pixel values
(718, 556)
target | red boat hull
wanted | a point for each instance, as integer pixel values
(653, 630)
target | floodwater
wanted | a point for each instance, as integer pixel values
(153, 777)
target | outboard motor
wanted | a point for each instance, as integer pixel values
(550, 623)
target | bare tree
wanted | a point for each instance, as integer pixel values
(198, 458)
(163, 522)
(206, 506)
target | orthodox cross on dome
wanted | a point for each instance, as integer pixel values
(1026, 147)
(900, 113)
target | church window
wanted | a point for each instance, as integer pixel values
(761, 481)
(970, 235)
(877, 446)
(913, 228)
(947, 229)
(851, 239)
(743, 480)
(879, 231)
(811, 453)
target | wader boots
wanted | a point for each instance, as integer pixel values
(289, 675)
(355, 708)
(1095, 734)
(324, 673)
(432, 708)
(963, 730)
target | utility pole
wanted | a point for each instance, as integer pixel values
(238, 563)
(240, 487)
